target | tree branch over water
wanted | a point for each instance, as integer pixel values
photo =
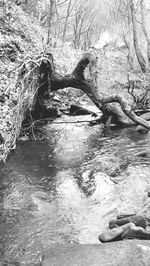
(77, 80)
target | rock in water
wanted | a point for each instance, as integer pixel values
(124, 253)
(138, 220)
(80, 110)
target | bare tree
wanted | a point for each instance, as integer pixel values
(70, 8)
(82, 23)
(144, 29)
(126, 12)
(139, 55)
(51, 20)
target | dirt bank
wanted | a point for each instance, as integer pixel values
(20, 38)
(22, 41)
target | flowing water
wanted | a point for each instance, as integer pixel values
(66, 187)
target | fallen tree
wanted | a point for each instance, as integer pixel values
(115, 109)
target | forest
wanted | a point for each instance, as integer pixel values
(74, 132)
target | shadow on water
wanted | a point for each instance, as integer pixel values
(65, 188)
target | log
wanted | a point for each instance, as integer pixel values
(107, 104)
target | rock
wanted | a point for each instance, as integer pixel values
(45, 112)
(136, 232)
(51, 112)
(114, 234)
(121, 216)
(80, 110)
(1, 139)
(24, 138)
(108, 164)
(138, 220)
(145, 116)
(124, 253)
(142, 129)
(143, 154)
(2, 98)
(56, 98)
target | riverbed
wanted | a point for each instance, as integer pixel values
(65, 187)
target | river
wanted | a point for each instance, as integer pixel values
(66, 187)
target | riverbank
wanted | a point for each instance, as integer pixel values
(22, 40)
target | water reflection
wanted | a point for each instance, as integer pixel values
(66, 188)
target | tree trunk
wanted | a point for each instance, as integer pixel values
(66, 20)
(145, 31)
(51, 20)
(139, 55)
(52, 80)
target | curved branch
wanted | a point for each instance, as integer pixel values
(77, 80)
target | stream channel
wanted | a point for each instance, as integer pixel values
(66, 187)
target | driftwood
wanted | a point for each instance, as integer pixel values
(109, 105)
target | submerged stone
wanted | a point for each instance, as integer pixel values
(129, 252)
